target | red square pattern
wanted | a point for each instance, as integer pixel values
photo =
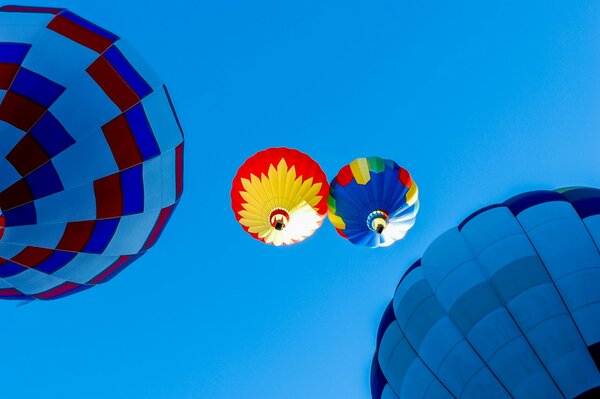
(122, 143)
(15, 195)
(112, 84)
(27, 155)
(76, 235)
(20, 111)
(109, 197)
(79, 34)
(32, 256)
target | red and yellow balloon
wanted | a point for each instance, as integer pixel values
(279, 196)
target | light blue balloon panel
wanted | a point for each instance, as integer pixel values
(507, 304)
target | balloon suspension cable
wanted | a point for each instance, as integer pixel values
(377, 221)
(279, 218)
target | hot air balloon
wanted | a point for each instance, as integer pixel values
(279, 196)
(506, 305)
(373, 202)
(92, 154)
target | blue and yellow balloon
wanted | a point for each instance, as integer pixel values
(373, 202)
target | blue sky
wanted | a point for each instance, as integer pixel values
(479, 100)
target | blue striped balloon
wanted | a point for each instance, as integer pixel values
(505, 305)
(373, 202)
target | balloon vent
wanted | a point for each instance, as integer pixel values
(279, 218)
(377, 221)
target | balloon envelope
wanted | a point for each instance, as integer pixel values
(373, 202)
(505, 305)
(279, 196)
(92, 154)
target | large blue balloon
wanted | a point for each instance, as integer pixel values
(91, 154)
(505, 305)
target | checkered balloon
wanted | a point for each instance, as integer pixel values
(91, 154)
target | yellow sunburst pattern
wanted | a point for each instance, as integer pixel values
(279, 196)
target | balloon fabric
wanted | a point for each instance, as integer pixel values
(373, 202)
(91, 164)
(279, 196)
(505, 305)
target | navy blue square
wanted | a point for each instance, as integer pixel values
(36, 87)
(144, 136)
(44, 181)
(13, 53)
(104, 230)
(132, 186)
(51, 135)
(21, 215)
(55, 261)
(9, 269)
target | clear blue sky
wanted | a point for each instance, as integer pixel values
(479, 100)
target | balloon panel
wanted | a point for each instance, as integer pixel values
(504, 305)
(91, 156)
